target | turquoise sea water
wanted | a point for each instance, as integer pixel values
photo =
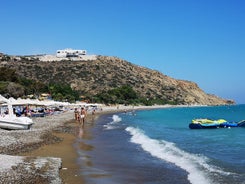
(157, 146)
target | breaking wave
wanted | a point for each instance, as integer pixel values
(114, 123)
(199, 171)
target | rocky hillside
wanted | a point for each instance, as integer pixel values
(104, 73)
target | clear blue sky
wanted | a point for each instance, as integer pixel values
(198, 40)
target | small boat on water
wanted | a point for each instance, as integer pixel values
(209, 124)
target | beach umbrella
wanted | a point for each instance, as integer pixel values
(7, 102)
(3, 100)
(13, 101)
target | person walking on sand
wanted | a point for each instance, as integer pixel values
(83, 115)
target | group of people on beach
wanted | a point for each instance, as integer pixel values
(80, 115)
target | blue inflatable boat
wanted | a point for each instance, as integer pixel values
(219, 123)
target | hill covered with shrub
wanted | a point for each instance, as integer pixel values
(110, 80)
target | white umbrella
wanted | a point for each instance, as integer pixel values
(6, 101)
(3, 100)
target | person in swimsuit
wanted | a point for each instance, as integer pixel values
(83, 115)
(76, 113)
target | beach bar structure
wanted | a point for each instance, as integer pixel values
(70, 53)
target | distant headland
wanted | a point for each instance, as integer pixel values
(104, 76)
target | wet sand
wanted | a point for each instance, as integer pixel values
(64, 150)
(70, 171)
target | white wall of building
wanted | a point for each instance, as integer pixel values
(70, 53)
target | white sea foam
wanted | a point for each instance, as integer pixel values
(195, 165)
(112, 125)
(116, 118)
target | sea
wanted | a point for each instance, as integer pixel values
(157, 147)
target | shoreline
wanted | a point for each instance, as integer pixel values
(69, 171)
(51, 139)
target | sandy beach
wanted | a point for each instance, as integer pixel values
(45, 154)
(31, 169)
(64, 150)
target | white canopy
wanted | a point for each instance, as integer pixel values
(36, 102)
(3, 100)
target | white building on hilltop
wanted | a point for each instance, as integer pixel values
(70, 53)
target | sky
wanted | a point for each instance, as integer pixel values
(196, 40)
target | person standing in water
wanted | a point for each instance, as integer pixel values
(76, 114)
(83, 115)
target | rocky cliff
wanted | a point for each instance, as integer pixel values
(104, 73)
